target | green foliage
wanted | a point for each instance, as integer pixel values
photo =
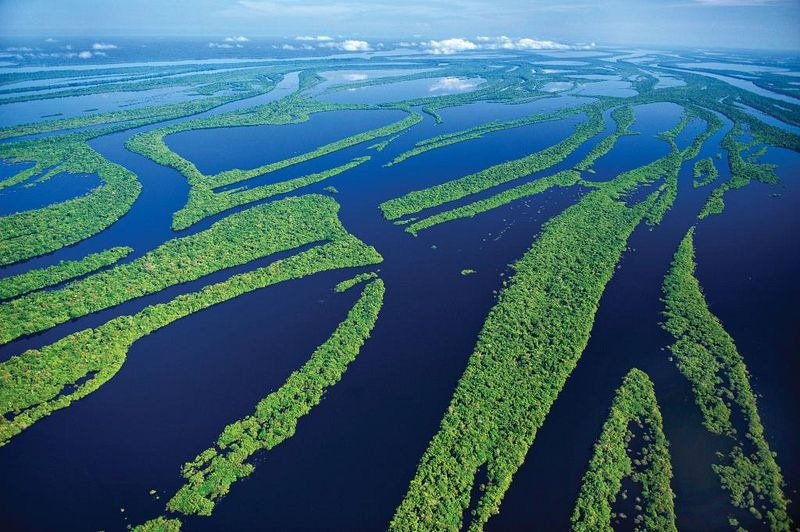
(238, 85)
(204, 202)
(742, 173)
(236, 240)
(353, 281)
(562, 179)
(380, 146)
(234, 176)
(623, 117)
(210, 475)
(419, 200)
(634, 402)
(33, 280)
(308, 79)
(477, 132)
(713, 124)
(31, 233)
(35, 232)
(38, 382)
(206, 83)
(159, 524)
(704, 172)
(121, 119)
(707, 356)
(530, 341)
(528, 346)
(292, 109)
(667, 167)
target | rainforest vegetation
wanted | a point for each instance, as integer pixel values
(210, 475)
(416, 201)
(240, 231)
(707, 356)
(235, 240)
(634, 407)
(528, 346)
(33, 280)
(38, 382)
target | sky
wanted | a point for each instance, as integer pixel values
(757, 24)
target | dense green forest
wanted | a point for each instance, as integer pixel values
(77, 295)
(707, 356)
(634, 409)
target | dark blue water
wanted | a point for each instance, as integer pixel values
(10, 169)
(164, 191)
(407, 346)
(60, 187)
(625, 335)
(353, 456)
(218, 149)
(747, 260)
(642, 146)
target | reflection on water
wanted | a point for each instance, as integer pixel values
(403, 90)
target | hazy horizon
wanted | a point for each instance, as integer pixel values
(722, 24)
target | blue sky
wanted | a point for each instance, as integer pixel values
(701, 23)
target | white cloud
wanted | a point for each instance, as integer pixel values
(354, 77)
(449, 46)
(525, 43)
(534, 44)
(349, 45)
(288, 47)
(456, 45)
(103, 46)
(230, 42)
(50, 39)
(453, 84)
(313, 38)
(26, 52)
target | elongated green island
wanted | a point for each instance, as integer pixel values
(416, 201)
(627, 151)
(650, 469)
(33, 280)
(40, 381)
(707, 356)
(528, 346)
(204, 198)
(233, 241)
(210, 475)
